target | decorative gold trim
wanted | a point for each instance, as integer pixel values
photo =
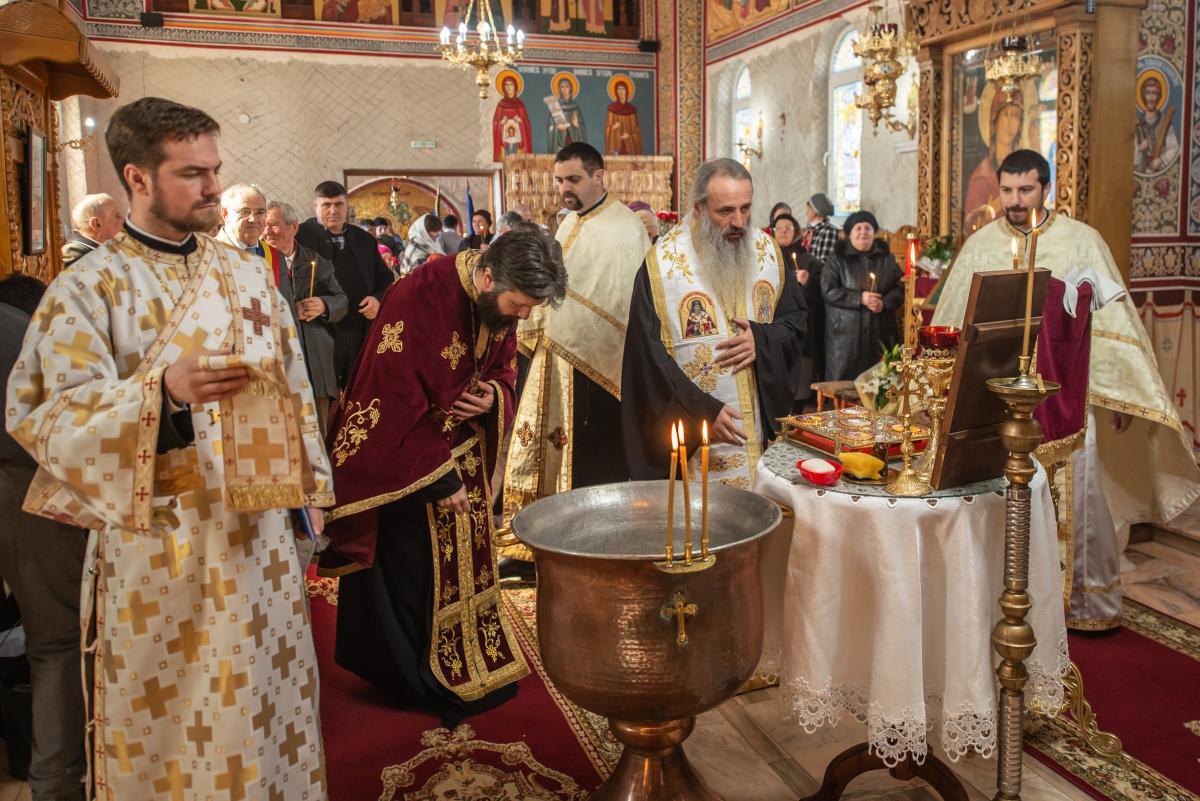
(1099, 590)
(587, 303)
(465, 264)
(581, 366)
(1076, 53)
(658, 295)
(1113, 335)
(581, 218)
(1112, 404)
(388, 497)
(1094, 624)
(1059, 450)
(1012, 231)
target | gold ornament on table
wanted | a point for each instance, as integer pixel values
(908, 484)
(939, 346)
(883, 48)
(480, 48)
(1013, 65)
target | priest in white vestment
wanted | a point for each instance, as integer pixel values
(162, 391)
(1137, 464)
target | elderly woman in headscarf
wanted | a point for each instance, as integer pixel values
(789, 237)
(862, 288)
(649, 219)
(423, 242)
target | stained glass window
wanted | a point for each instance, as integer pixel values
(742, 89)
(845, 127)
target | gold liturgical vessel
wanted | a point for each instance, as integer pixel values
(646, 644)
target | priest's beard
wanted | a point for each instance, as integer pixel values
(728, 264)
(490, 315)
(202, 216)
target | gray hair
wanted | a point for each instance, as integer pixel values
(286, 210)
(507, 220)
(716, 168)
(87, 207)
(237, 192)
(529, 261)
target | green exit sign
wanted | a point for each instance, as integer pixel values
(423, 144)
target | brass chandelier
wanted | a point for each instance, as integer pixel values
(479, 47)
(882, 48)
(1013, 65)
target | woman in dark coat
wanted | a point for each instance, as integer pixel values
(859, 321)
(808, 275)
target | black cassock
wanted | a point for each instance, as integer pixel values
(655, 391)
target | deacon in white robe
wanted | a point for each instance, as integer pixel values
(1137, 463)
(162, 391)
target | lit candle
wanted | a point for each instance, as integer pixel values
(462, 30)
(704, 488)
(445, 37)
(872, 285)
(520, 39)
(687, 499)
(510, 33)
(912, 257)
(1016, 251)
(1030, 265)
(312, 278)
(671, 496)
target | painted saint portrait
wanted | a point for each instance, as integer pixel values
(249, 8)
(696, 316)
(565, 124)
(764, 302)
(512, 132)
(372, 12)
(724, 18)
(622, 133)
(989, 125)
(1156, 133)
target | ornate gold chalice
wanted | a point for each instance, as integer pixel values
(939, 347)
(646, 647)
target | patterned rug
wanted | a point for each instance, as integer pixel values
(1143, 685)
(536, 747)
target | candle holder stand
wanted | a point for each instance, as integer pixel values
(908, 484)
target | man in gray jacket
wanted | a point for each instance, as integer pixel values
(311, 286)
(43, 563)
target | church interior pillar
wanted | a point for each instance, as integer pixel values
(930, 172)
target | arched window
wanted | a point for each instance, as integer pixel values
(845, 126)
(743, 115)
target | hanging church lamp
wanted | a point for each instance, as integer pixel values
(478, 46)
(883, 48)
(1012, 65)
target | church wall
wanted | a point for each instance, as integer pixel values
(790, 76)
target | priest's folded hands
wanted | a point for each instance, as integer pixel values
(737, 353)
(474, 402)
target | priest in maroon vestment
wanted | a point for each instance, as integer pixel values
(414, 445)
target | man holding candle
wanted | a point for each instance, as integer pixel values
(309, 283)
(741, 374)
(1136, 463)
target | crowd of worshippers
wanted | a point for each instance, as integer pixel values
(390, 374)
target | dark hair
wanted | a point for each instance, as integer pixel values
(381, 221)
(529, 261)
(1020, 162)
(509, 220)
(137, 131)
(328, 189)
(588, 156)
(450, 221)
(23, 291)
(484, 213)
(433, 223)
(775, 210)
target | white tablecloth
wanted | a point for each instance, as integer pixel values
(888, 608)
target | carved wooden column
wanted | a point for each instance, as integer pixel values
(1094, 161)
(929, 142)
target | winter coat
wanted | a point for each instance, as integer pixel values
(853, 333)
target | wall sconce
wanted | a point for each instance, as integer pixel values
(910, 127)
(744, 147)
(82, 143)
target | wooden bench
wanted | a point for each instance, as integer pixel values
(840, 393)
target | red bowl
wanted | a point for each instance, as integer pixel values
(821, 479)
(938, 336)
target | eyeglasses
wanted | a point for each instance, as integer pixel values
(258, 214)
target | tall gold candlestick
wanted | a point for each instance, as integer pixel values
(704, 490)
(687, 499)
(671, 497)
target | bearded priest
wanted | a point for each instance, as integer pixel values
(429, 403)
(716, 328)
(1135, 462)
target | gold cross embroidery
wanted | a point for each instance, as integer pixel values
(454, 351)
(703, 370)
(391, 338)
(236, 777)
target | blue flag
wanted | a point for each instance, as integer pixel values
(467, 224)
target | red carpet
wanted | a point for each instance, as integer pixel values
(534, 747)
(1144, 684)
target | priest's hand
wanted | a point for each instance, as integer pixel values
(470, 404)
(737, 353)
(457, 502)
(873, 301)
(1119, 421)
(369, 307)
(310, 309)
(728, 427)
(316, 518)
(185, 382)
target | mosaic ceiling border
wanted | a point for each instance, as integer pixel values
(790, 22)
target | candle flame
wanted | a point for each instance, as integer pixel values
(681, 440)
(1015, 247)
(793, 257)
(704, 433)
(674, 438)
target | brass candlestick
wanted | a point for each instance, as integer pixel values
(1013, 637)
(908, 484)
(939, 370)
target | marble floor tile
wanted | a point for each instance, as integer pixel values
(1148, 567)
(729, 765)
(1163, 551)
(1161, 596)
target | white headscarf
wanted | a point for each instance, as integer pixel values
(420, 244)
